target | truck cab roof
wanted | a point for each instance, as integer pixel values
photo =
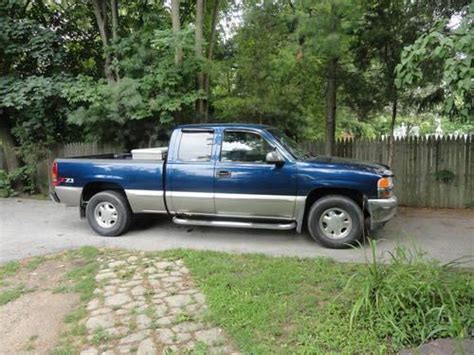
(224, 125)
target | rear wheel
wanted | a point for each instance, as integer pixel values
(335, 221)
(108, 213)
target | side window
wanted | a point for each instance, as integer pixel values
(195, 146)
(244, 147)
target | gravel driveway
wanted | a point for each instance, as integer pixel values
(32, 227)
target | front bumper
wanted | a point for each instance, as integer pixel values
(382, 210)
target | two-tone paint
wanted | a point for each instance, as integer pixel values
(224, 189)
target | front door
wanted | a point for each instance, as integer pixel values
(191, 173)
(245, 185)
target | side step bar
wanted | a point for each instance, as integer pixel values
(234, 224)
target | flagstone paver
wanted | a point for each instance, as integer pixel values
(149, 305)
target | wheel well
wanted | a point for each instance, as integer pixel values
(316, 194)
(93, 188)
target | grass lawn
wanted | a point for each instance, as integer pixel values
(292, 305)
(281, 305)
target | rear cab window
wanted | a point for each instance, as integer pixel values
(195, 146)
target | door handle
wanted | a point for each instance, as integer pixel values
(224, 173)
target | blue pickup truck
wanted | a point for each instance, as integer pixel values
(230, 175)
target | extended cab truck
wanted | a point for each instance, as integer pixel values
(232, 175)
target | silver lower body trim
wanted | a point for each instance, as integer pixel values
(233, 205)
(190, 202)
(146, 201)
(234, 224)
(382, 210)
(255, 205)
(69, 195)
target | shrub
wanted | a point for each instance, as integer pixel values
(411, 300)
(23, 177)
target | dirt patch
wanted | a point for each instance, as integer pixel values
(46, 276)
(35, 321)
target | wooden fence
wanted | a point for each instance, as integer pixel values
(429, 172)
(68, 151)
(82, 149)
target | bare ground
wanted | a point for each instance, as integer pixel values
(34, 322)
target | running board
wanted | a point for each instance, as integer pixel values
(234, 224)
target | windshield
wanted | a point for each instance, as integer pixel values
(293, 148)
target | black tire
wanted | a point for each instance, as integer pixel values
(121, 211)
(346, 210)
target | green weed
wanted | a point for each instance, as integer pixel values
(11, 294)
(100, 336)
(9, 269)
(412, 300)
(35, 262)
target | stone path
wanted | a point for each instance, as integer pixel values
(149, 305)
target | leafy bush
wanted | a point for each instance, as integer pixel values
(6, 185)
(411, 300)
(22, 177)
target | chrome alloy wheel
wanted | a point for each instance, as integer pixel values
(335, 223)
(106, 215)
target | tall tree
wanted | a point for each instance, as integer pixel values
(176, 26)
(325, 30)
(210, 54)
(198, 49)
(109, 42)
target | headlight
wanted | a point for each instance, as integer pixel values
(385, 187)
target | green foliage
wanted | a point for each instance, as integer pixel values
(444, 175)
(260, 77)
(411, 300)
(23, 177)
(6, 184)
(439, 64)
(152, 88)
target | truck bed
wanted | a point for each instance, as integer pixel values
(142, 180)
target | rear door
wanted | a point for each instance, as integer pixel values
(190, 172)
(248, 187)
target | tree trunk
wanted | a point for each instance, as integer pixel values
(199, 39)
(178, 56)
(8, 144)
(115, 23)
(210, 52)
(391, 141)
(331, 96)
(100, 12)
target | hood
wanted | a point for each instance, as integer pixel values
(352, 164)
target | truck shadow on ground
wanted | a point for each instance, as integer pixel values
(148, 222)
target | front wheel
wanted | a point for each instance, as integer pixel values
(108, 213)
(335, 221)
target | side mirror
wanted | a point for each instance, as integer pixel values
(274, 157)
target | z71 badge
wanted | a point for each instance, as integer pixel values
(66, 180)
